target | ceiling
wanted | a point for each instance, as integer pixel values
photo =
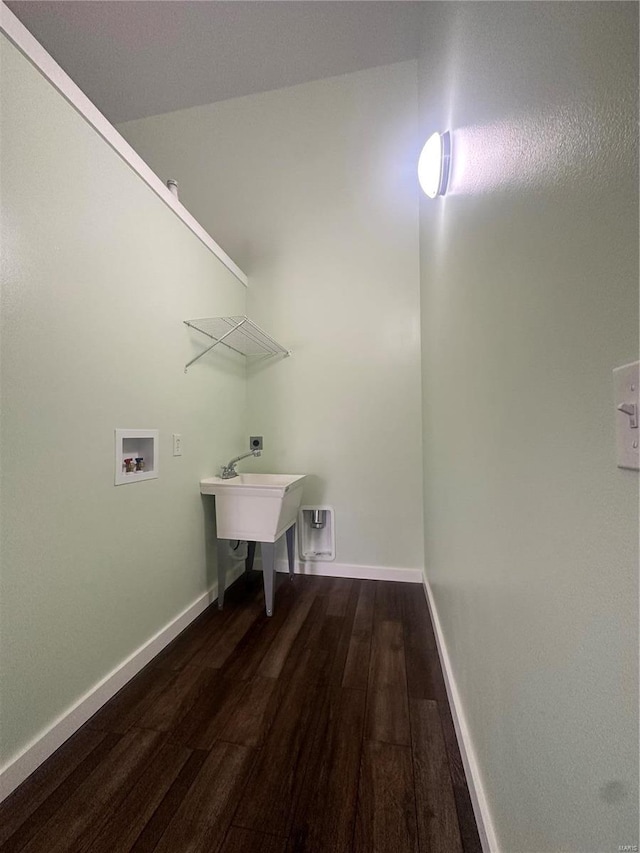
(136, 58)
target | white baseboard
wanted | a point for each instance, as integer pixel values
(46, 743)
(486, 830)
(349, 570)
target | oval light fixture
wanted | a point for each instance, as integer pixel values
(433, 165)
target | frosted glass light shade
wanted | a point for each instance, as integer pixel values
(433, 165)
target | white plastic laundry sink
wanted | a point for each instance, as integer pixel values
(255, 507)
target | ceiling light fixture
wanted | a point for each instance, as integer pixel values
(434, 163)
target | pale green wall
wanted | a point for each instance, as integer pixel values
(97, 277)
(311, 189)
(529, 299)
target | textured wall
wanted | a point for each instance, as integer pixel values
(529, 300)
(97, 276)
(312, 190)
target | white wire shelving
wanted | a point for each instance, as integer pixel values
(239, 334)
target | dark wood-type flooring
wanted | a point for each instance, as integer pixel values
(324, 728)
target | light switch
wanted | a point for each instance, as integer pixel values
(625, 385)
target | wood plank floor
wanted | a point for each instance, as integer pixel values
(324, 728)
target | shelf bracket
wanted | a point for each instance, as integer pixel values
(215, 343)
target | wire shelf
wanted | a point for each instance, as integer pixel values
(239, 334)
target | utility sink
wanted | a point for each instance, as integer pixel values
(255, 507)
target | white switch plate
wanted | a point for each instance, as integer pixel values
(177, 444)
(625, 385)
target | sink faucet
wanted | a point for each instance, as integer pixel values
(229, 470)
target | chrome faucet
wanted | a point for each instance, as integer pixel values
(229, 470)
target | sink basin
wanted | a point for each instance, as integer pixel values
(255, 507)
